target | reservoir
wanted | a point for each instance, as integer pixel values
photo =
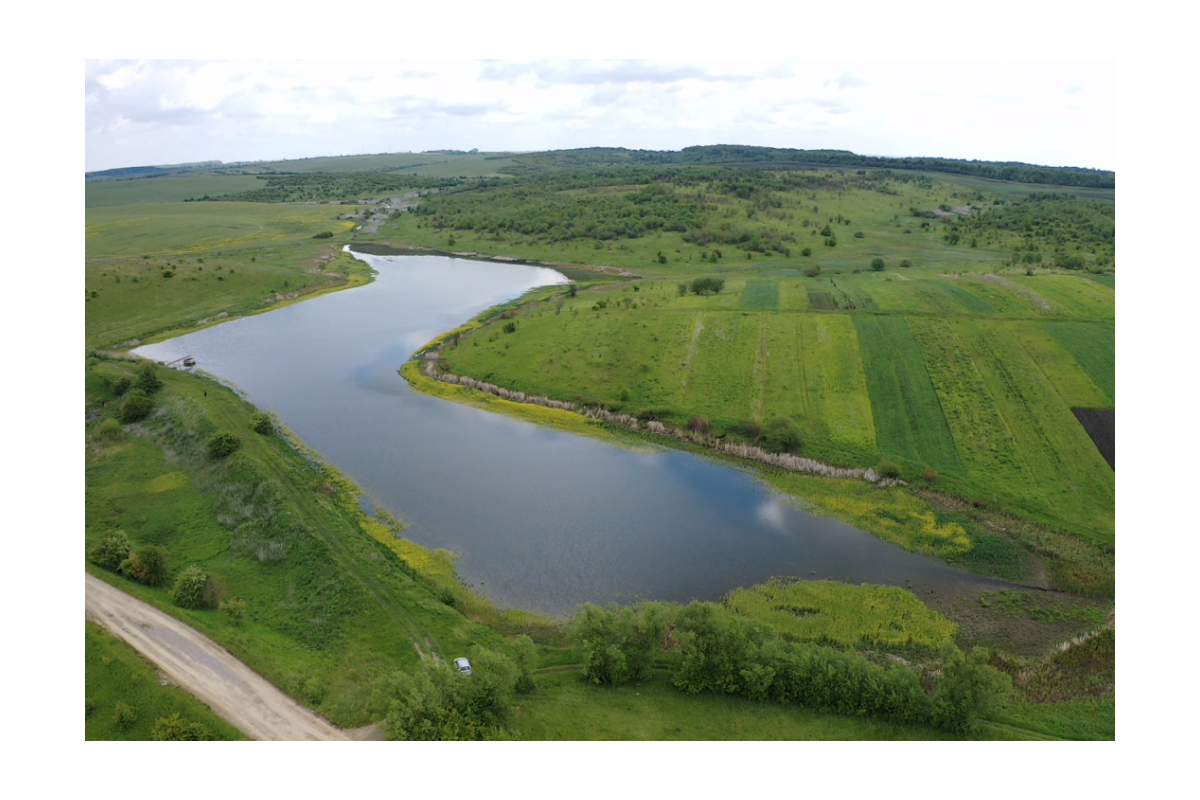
(540, 519)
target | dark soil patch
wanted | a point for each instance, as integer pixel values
(1101, 425)
(822, 301)
(1019, 623)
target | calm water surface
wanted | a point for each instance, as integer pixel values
(541, 520)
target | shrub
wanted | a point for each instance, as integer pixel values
(782, 436)
(812, 271)
(877, 264)
(109, 429)
(436, 703)
(262, 422)
(193, 589)
(113, 548)
(510, 327)
(859, 234)
(682, 289)
(147, 565)
(617, 645)
(222, 444)
(125, 715)
(888, 469)
(323, 235)
(806, 252)
(177, 729)
(136, 406)
(147, 379)
(930, 475)
(120, 384)
(234, 608)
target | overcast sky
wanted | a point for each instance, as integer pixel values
(1058, 113)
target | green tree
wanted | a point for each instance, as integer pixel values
(877, 264)
(969, 691)
(147, 378)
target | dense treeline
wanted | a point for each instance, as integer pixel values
(745, 154)
(709, 648)
(344, 186)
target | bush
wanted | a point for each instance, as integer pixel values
(193, 589)
(859, 234)
(323, 235)
(929, 475)
(110, 429)
(125, 715)
(113, 548)
(438, 704)
(888, 469)
(510, 327)
(120, 384)
(177, 729)
(877, 264)
(782, 436)
(136, 406)
(812, 271)
(147, 565)
(147, 378)
(618, 645)
(222, 444)
(905, 264)
(806, 252)
(234, 608)
(262, 422)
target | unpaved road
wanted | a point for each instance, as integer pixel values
(208, 671)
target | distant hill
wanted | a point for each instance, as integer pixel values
(785, 158)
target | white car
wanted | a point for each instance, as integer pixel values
(463, 666)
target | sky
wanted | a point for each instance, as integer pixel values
(151, 112)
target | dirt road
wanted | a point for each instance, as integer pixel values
(208, 671)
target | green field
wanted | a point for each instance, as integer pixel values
(565, 708)
(167, 189)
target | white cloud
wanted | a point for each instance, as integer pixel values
(1058, 113)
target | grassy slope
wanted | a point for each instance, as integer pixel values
(337, 612)
(116, 673)
(224, 258)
